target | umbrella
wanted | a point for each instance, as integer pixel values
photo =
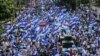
(42, 24)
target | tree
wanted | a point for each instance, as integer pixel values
(21, 2)
(69, 3)
(73, 3)
(85, 1)
(98, 2)
(7, 9)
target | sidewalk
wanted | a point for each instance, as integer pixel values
(98, 10)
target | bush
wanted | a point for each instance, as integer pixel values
(1, 30)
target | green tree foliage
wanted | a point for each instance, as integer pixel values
(1, 30)
(66, 2)
(85, 1)
(21, 2)
(7, 8)
(98, 2)
(75, 1)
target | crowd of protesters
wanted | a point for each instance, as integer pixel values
(39, 35)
